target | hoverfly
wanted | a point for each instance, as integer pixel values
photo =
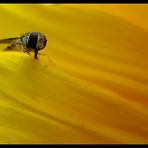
(28, 42)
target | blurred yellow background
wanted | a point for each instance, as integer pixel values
(96, 90)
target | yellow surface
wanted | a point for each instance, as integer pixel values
(96, 90)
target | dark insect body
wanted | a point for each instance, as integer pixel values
(29, 42)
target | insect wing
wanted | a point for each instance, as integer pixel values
(8, 40)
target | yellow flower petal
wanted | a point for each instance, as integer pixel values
(96, 89)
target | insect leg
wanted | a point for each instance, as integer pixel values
(35, 54)
(49, 59)
(25, 50)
